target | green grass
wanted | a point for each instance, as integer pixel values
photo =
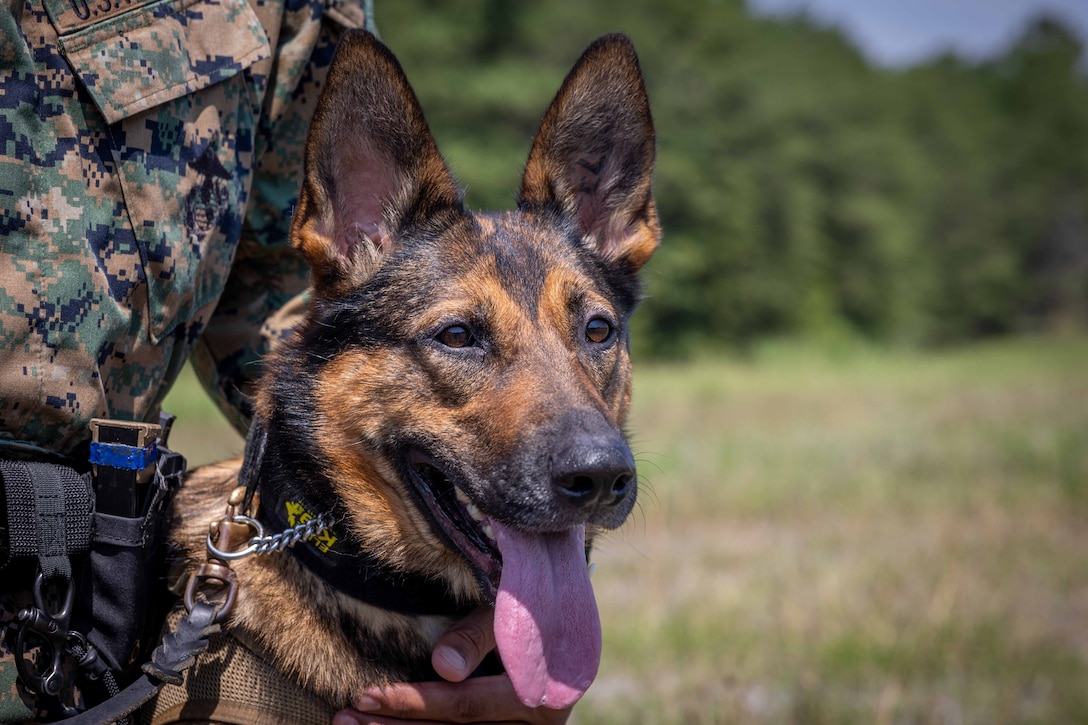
(201, 433)
(858, 537)
(868, 538)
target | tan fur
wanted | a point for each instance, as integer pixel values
(376, 186)
(278, 600)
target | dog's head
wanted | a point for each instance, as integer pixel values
(466, 376)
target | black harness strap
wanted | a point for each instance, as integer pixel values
(249, 475)
(49, 514)
(22, 522)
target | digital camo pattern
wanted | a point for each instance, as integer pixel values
(150, 156)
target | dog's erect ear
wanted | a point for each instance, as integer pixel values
(373, 172)
(593, 156)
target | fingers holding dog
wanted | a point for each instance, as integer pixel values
(478, 700)
(464, 645)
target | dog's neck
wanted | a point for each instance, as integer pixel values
(334, 555)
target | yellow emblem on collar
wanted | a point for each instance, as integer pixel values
(297, 514)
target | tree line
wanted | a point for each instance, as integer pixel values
(803, 191)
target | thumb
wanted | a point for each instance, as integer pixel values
(464, 645)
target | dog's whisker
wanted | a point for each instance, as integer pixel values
(641, 459)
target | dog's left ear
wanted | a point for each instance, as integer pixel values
(593, 156)
(374, 177)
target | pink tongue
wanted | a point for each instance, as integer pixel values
(546, 622)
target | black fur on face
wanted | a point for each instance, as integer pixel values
(450, 354)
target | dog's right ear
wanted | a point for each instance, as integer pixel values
(373, 171)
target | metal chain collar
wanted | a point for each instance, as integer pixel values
(216, 573)
(261, 543)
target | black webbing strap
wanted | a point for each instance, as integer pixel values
(170, 659)
(48, 514)
(250, 473)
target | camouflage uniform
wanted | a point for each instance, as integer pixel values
(150, 155)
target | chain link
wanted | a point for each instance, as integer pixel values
(291, 536)
(266, 544)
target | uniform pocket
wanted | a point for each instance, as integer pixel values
(172, 80)
(132, 55)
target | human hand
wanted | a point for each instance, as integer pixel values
(457, 700)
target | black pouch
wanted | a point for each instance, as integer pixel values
(122, 592)
(113, 565)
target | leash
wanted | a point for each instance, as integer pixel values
(226, 543)
(180, 648)
(177, 653)
(259, 543)
(203, 618)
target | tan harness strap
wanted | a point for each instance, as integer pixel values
(231, 685)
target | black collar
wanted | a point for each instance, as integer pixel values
(334, 555)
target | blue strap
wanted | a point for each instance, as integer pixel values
(117, 455)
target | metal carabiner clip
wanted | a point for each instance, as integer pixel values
(52, 627)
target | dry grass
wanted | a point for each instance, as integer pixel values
(869, 539)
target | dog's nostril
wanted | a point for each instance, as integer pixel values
(605, 487)
(593, 471)
(620, 487)
(578, 488)
(582, 486)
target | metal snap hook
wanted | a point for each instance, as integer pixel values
(212, 572)
(52, 629)
(250, 548)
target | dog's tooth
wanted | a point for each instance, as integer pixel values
(489, 532)
(461, 496)
(474, 512)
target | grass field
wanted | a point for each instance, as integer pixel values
(861, 538)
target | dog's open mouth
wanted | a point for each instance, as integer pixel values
(547, 628)
(470, 532)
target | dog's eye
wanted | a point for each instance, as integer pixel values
(598, 330)
(456, 336)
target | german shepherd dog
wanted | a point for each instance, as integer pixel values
(454, 400)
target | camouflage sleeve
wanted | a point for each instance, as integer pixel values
(266, 292)
(125, 150)
(149, 157)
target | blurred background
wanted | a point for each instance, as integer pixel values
(861, 398)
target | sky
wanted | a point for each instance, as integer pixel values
(898, 33)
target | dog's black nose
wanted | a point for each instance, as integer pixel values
(594, 473)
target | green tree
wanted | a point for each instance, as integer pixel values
(802, 191)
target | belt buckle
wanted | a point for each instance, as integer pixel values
(145, 433)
